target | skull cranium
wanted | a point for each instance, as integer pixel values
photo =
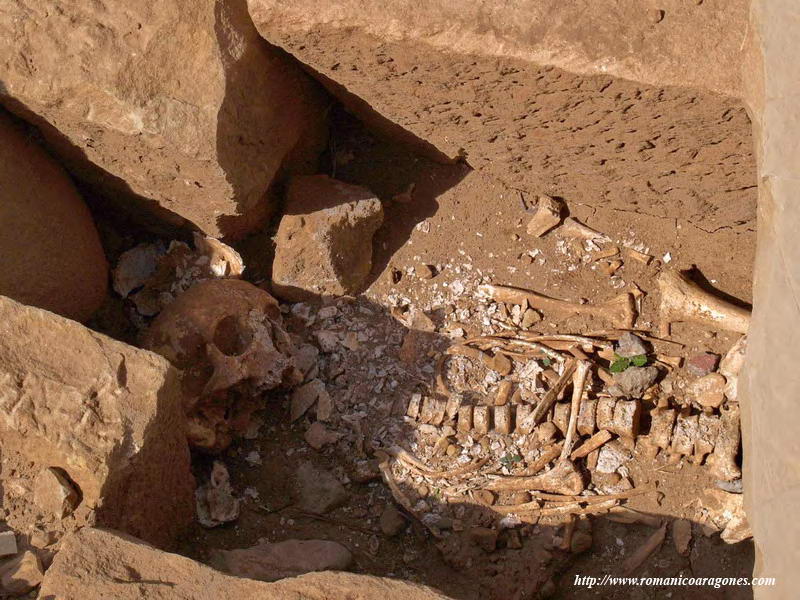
(227, 337)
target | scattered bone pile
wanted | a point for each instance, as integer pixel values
(541, 426)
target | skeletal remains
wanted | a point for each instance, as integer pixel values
(593, 431)
(227, 337)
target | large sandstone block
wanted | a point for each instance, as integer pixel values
(96, 564)
(108, 415)
(324, 241)
(177, 106)
(52, 257)
(545, 94)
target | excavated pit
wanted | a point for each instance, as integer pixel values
(668, 172)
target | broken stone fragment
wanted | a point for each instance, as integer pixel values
(483, 537)
(215, 501)
(708, 391)
(96, 564)
(19, 575)
(152, 275)
(304, 397)
(8, 543)
(547, 216)
(392, 521)
(318, 490)
(630, 345)
(612, 456)
(106, 413)
(54, 493)
(272, 561)
(318, 436)
(702, 364)
(682, 535)
(324, 240)
(52, 256)
(633, 382)
(155, 134)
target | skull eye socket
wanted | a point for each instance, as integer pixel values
(230, 337)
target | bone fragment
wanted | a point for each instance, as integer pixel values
(593, 443)
(586, 417)
(563, 478)
(723, 460)
(547, 216)
(682, 300)
(619, 310)
(578, 391)
(645, 550)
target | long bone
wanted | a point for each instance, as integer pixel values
(682, 300)
(578, 391)
(620, 310)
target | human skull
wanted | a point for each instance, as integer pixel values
(227, 337)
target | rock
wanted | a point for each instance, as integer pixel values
(96, 564)
(726, 513)
(483, 537)
(553, 54)
(152, 275)
(317, 436)
(187, 112)
(581, 542)
(304, 398)
(52, 257)
(324, 240)
(392, 521)
(54, 493)
(682, 535)
(708, 391)
(318, 490)
(630, 345)
(364, 471)
(215, 501)
(305, 358)
(633, 381)
(21, 574)
(272, 561)
(612, 456)
(732, 487)
(8, 543)
(106, 413)
(425, 271)
(737, 530)
(702, 364)
(529, 318)
(547, 216)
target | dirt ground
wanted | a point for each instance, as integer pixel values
(448, 229)
(471, 229)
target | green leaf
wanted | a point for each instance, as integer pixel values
(639, 361)
(546, 361)
(620, 364)
(509, 459)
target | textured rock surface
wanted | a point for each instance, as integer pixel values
(324, 242)
(52, 257)
(186, 108)
(107, 414)
(272, 561)
(525, 91)
(318, 490)
(605, 36)
(96, 565)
